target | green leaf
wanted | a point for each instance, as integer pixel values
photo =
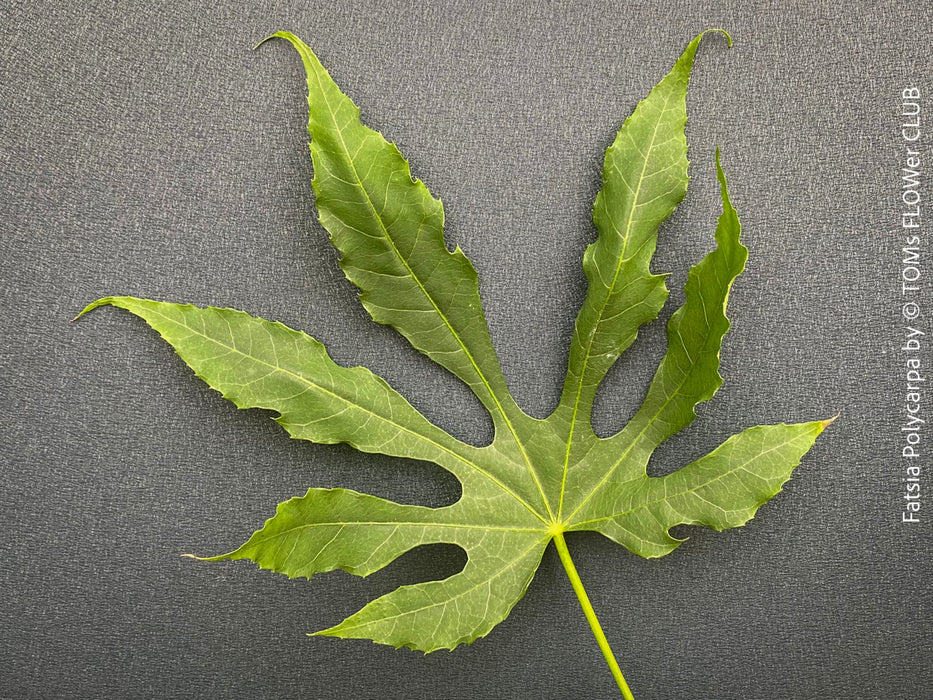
(721, 490)
(688, 374)
(538, 478)
(331, 529)
(260, 364)
(644, 178)
(389, 230)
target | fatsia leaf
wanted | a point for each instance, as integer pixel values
(538, 478)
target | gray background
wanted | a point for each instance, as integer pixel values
(146, 150)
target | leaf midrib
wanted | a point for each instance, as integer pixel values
(403, 523)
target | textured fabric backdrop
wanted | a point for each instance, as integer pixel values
(147, 150)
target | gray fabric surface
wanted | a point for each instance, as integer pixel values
(146, 150)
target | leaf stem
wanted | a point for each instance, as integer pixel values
(590, 614)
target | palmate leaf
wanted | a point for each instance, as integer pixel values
(538, 478)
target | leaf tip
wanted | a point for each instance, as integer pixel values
(218, 557)
(824, 424)
(721, 31)
(275, 35)
(720, 173)
(329, 632)
(93, 305)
